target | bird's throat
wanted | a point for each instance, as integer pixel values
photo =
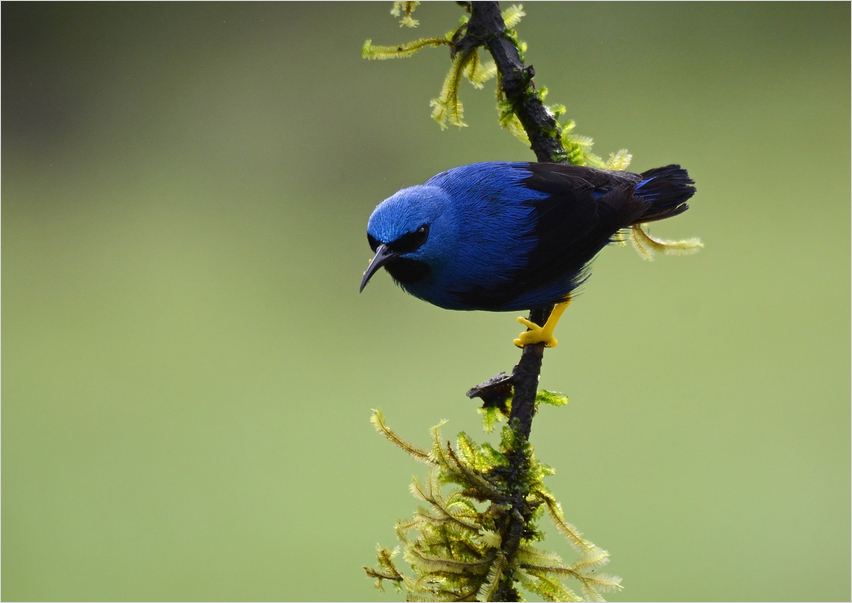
(407, 271)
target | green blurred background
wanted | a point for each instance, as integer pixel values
(189, 369)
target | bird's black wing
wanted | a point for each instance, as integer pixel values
(583, 210)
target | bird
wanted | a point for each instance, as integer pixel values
(514, 236)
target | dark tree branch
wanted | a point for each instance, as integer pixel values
(486, 28)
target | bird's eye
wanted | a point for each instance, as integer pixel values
(421, 234)
(410, 241)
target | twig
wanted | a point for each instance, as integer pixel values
(486, 28)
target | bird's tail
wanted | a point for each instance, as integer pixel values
(666, 189)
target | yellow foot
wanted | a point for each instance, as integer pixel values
(537, 334)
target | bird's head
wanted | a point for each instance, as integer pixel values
(407, 231)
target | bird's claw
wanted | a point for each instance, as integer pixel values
(539, 334)
(536, 334)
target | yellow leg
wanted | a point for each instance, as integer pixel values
(537, 334)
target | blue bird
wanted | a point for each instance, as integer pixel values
(503, 236)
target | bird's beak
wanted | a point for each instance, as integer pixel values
(382, 257)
